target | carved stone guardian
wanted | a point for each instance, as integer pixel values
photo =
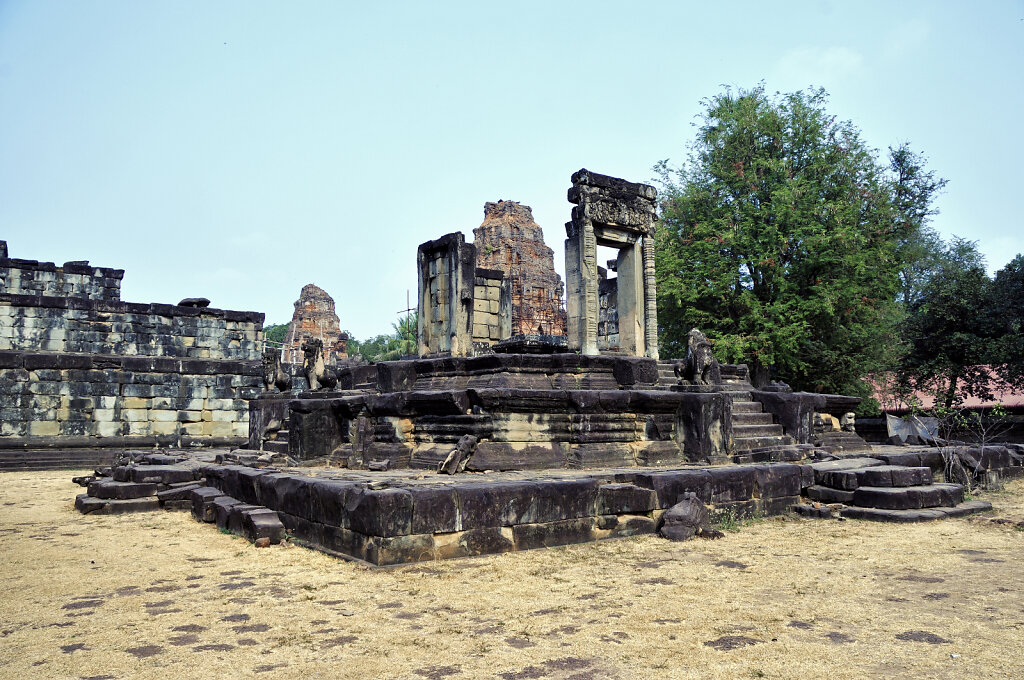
(317, 374)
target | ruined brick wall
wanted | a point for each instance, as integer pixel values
(510, 241)
(314, 317)
(81, 368)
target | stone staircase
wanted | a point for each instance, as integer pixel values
(867, 488)
(279, 444)
(756, 435)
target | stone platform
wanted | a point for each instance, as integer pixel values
(407, 516)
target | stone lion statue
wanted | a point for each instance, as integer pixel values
(700, 366)
(274, 373)
(317, 374)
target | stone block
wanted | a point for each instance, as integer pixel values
(549, 534)
(435, 509)
(108, 488)
(618, 499)
(263, 523)
(669, 486)
(383, 551)
(202, 503)
(730, 483)
(773, 481)
(385, 512)
(161, 474)
(85, 503)
(179, 493)
(122, 506)
(44, 428)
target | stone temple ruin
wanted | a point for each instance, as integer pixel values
(84, 374)
(493, 440)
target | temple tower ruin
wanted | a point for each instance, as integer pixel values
(510, 241)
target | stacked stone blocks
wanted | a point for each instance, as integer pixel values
(81, 368)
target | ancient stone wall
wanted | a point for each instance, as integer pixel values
(510, 241)
(314, 317)
(491, 292)
(81, 368)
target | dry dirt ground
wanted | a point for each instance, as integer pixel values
(160, 596)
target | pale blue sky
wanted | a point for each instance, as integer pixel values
(239, 150)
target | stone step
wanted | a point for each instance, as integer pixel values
(276, 446)
(826, 494)
(820, 469)
(922, 515)
(747, 431)
(774, 454)
(742, 406)
(881, 475)
(841, 441)
(741, 444)
(908, 497)
(752, 418)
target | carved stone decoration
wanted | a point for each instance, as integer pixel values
(700, 366)
(273, 372)
(317, 374)
(510, 241)
(618, 214)
(848, 422)
(458, 458)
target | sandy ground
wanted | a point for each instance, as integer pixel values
(158, 595)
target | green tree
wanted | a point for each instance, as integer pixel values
(779, 240)
(920, 249)
(1006, 305)
(401, 342)
(949, 329)
(276, 332)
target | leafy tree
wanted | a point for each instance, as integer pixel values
(949, 329)
(913, 192)
(779, 239)
(276, 332)
(1006, 305)
(401, 342)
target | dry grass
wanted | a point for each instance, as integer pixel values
(159, 596)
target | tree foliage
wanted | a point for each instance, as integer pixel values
(276, 333)
(389, 346)
(784, 239)
(949, 328)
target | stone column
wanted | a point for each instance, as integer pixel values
(581, 300)
(650, 298)
(631, 300)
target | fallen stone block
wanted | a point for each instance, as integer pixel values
(179, 493)
(262, 524)
(161, 474)
(113, 490)
(85, 503)
(122, 506)
(202, 503)
(236, 517)
(84, 481)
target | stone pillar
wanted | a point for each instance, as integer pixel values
(632, 329)
(650, 299)
(447, 269)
